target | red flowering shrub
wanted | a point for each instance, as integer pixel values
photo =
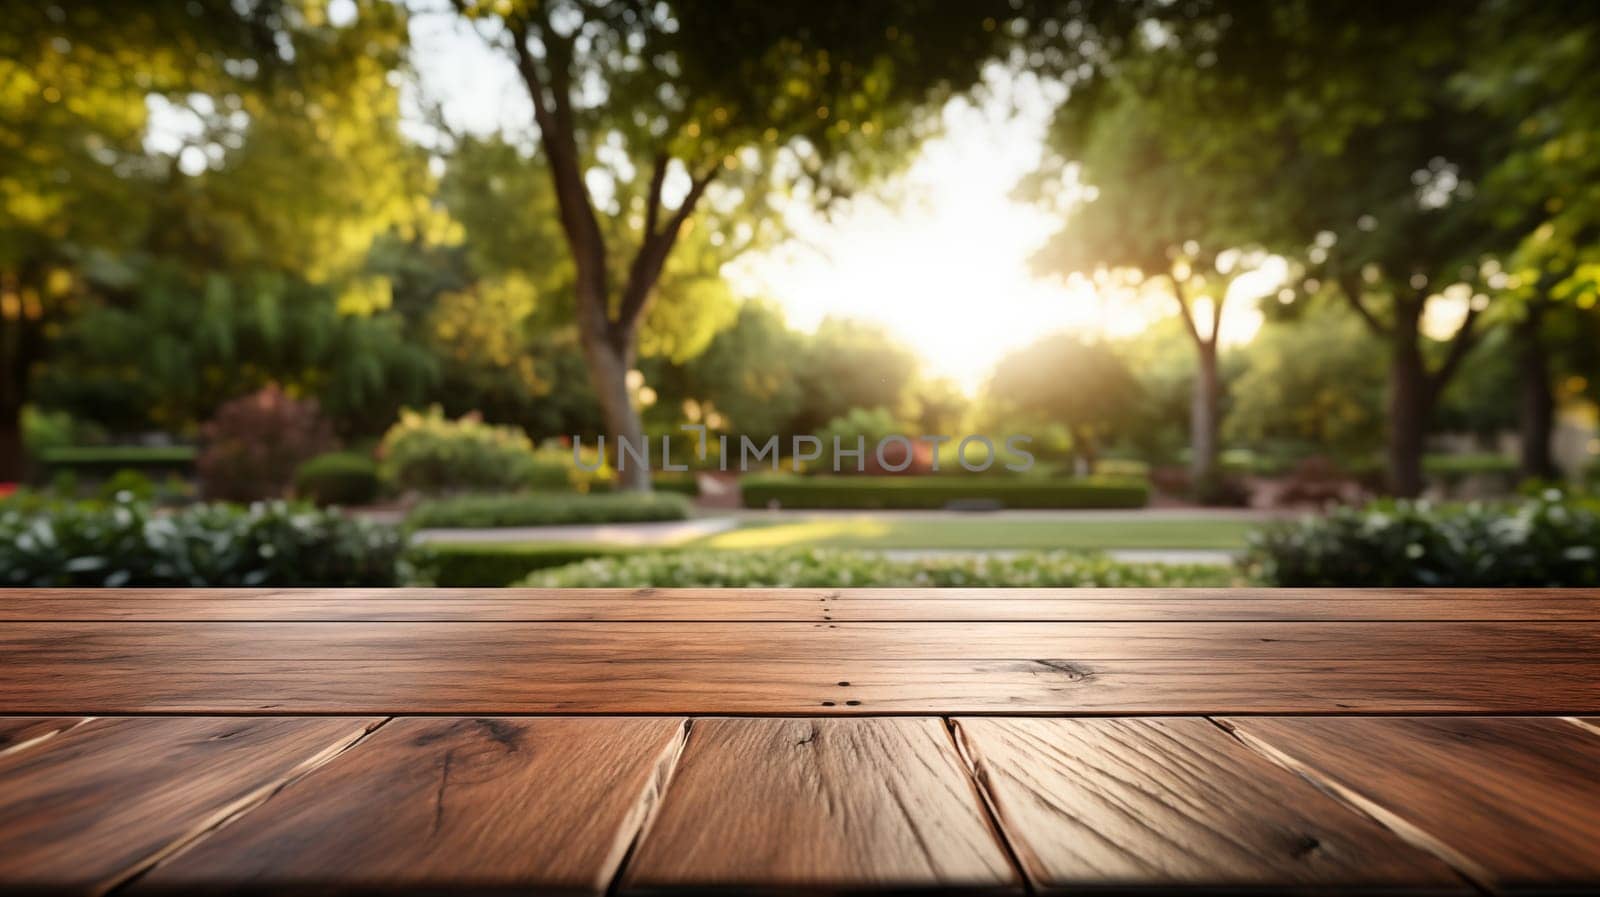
(255, 442)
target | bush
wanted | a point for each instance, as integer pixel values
(103, 461)
(822, 568)
(254, 444)
(429, 453)
(1543, 542)
(866, 428)
(1130, 468)
(1491, 473)
(489, 565)
(677, 483)
(338, 478)
(937, 492)
(124, 543)
(547, 509)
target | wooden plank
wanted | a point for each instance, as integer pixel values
(430, 805)
(820, 804)
(467, 685)
(1512, 803)
(1155, 805)
(795, 605)
(176, 643)
(22, 732)
(107, 799)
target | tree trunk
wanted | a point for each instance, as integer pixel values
(1537, 409)
(1203, 416)
(1083, 445)
(608, 372)
(13, 461)
(1409, 407)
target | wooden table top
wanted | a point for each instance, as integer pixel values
(642, 741)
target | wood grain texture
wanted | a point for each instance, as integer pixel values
(440, 805)
(23, 732)
(820, 804)
(794, 605)
(101, 802)
(1158, 805)
(796, 668)
(1513, 803)
(465, 685)
(170, 643)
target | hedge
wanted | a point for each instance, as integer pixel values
(914, 492)
(104, 460)
(547, 509)
(127, 543)
(1454, 468)
(493, 565)
(338, 478)
(1546, 541)
(824, 568)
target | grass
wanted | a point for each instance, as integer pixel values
(868, 533)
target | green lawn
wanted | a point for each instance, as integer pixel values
(869, 532)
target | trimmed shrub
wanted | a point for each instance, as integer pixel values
(1543, 542)
(1473, 475)
(102, 461)
(822, 568)
(338, 478)
(430, 453)
(676, 483)
(491, 565)
(255, 442)
(862, 492)
(124, 543)
(547, 509)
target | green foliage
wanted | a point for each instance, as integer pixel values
(1455, 469)
(184, 343)
(685, 484)
(104, 460)
(1060, 378)
(923, 492)
(546, 509)
(494, 565)
(822, 568)
(1316, 380)
(255, 443)
(430, 453)
(848, 365)
(750, 372)
(276, 157)
(124, 543)
(1541, 542)
(864, 428)
(338, 478)
(45, 430)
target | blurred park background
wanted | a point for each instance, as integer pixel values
(320, 292)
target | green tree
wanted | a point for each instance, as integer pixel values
(1541, 76)
(1367, 158)
(290, 164)
(659, 102)
(1064, 380)
(751, 373)
(75, 176)
(1313, 381)
(1150, 220)
(851, 364)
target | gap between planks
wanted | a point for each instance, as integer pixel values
(226, 814)
(1470, 870)
(647, 806)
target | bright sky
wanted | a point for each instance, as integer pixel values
(939, 255)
